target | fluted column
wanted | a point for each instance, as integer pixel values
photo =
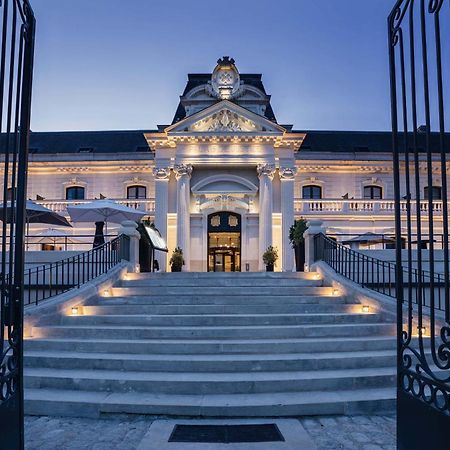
(265, 174)
(183, 173)
(161, 208)
(287, 176)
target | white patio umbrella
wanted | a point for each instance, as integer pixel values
(104, 211)
(35, 213)
(369, 239)
(53, 236)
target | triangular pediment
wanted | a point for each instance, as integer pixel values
(225, 117)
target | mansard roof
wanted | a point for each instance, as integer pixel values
(363, 141)
(133, 141)
(52, 142)
(199, 79)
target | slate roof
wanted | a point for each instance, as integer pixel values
(130, 141)
(199, 79)
(133, 141)
(362, 141)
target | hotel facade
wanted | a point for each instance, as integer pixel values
(225, 180)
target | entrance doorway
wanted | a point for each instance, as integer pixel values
(224, 242)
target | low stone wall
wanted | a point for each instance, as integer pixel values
(51, 310)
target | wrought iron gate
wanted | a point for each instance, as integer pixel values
(16, 58)
(419, 53)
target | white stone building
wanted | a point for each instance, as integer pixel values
(224, 180)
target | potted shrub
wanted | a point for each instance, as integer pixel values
(176, 260)
(298, 243)
(270, 257)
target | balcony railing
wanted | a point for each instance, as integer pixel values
(306, 206)
(60, 206)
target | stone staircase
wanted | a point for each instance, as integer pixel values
(209, 344)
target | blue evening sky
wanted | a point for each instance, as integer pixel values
(114, 64)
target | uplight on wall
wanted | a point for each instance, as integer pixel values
(317, 276)
(106, 293)
(75, 310)
(365, 308)
(137, 269)
(336, 292)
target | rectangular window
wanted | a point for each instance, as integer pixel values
(312, 192)
(373, 192)
(136, 192)
(75, 193)
(436, 192)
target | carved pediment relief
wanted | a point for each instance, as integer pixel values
(225, 120)
(225, 117)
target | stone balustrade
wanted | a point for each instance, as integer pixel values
(358, 206)
(60, 206)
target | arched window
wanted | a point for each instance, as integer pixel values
(436, 192)
(75, 193)
(136, 192)
(373, 192)
(312, 192)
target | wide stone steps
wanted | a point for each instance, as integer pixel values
(218, 299)
(221, 320)
(186, 383)
(217, 332)
(211, 362)
(93, 404)
(218, 283)
(204, 291)
(104, 308)
(214, 345)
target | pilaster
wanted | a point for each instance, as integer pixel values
(161, 208)
(265, 174)
(183, 174)
(287, 177)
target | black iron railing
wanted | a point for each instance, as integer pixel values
(45, 281)
(379, 275)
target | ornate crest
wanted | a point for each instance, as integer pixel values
(225, 81)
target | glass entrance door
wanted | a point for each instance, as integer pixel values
(224, 254)
(224, 242)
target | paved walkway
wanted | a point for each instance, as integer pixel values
(125, 433)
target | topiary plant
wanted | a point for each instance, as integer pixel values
(177, 260)
(296, 232)
(270, 257)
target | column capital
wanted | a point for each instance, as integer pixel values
(161, 173)
(182, 170)
(266, 170)
(287, 173)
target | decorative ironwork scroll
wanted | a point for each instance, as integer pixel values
(16, 72)
(419, 36)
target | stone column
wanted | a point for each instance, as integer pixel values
(265, 174)
(287, 176)
(314, 227)
(183, 173)
(161, 209)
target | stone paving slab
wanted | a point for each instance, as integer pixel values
(295, 436)
(127, 432)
